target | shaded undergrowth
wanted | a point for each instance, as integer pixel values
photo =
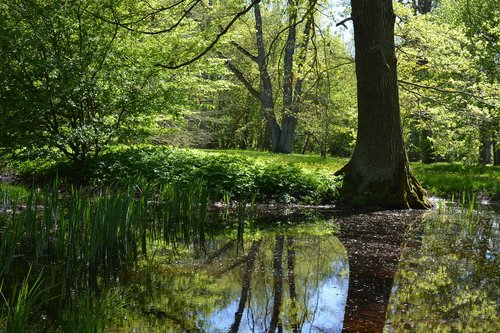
(236, 175)
(70, 248)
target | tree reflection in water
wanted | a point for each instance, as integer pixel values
(288, 281)
(334, 276)
(373, 242)
(298, 283)
(448, 279)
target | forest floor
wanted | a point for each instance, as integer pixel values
(439, 179)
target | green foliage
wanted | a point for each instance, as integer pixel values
(448, 283)
(238, 176)
(93, 314)
(66, 82)
(445, 179)
(24, 304)
(449, 95)
(73, 82)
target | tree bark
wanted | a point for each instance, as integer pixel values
(266, 95)
(427, 151)
(292, 87)
(378, 173)
(496, 148)
(485, 145)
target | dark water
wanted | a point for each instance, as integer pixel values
(372, 272)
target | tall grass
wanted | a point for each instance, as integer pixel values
(93, 314)
(24, 303)
(85, 241)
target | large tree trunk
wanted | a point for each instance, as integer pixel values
(292, 86)
(289, 119)
(266, 94)
(378, 173)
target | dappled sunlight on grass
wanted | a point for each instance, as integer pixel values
(445, 178)
(305, 161)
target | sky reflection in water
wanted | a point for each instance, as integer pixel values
(446, 280)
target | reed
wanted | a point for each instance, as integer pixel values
(24, 303)
(85, 241)
(93, 314)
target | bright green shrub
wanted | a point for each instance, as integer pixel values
(223, 174)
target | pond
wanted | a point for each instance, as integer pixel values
(325, 271)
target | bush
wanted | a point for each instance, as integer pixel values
(224, 174)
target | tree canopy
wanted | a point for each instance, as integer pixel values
(80, 76)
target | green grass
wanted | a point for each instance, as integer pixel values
(309, 162)
(243, 174)
(445, 179)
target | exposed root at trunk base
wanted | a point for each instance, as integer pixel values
(401, 191)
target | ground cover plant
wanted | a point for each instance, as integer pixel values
(446, 179)
(242, 174)
(234, 174)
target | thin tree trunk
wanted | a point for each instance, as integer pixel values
(291, 284)
(278, 282)
(245, 287)
(378, 173)
(485, 147)
(427, 152)
(496, 148)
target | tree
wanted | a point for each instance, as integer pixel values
(378, 172)
(481, 21)
(67, 81)
(321, 78)
(282, 133)
(449, 98)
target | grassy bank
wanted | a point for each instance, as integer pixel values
(228, 175)
(445, 179)
(440, 179)
(243, 174)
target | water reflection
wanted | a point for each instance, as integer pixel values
(373, 242)
(280, 282)
(306, 279)
(449, 276)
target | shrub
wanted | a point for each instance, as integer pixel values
(224, 174)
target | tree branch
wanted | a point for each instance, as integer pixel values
(146, 32)
(241, 77)
(244, 51)
(449, 91)
(212, 44)
(309, 11)
(343, 22)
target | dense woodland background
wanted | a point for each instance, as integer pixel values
(79, 76)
